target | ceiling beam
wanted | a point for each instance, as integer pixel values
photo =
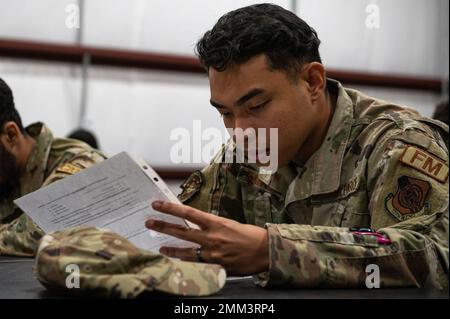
(45, 51)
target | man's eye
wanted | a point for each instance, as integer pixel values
(225, 114)
(259, 106)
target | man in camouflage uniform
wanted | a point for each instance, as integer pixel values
(30, 158)
(361, 181)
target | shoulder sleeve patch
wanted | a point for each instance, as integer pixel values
(191, 186)
(410, 198)
(426, 163)
(68, 168)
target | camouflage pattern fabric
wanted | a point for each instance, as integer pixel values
(110, 266)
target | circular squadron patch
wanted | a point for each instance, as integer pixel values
(409, 199)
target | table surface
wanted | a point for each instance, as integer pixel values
(17, 281)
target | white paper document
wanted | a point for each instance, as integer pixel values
(115, 194)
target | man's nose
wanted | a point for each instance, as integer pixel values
(243, 122)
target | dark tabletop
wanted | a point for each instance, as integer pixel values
(18, 281)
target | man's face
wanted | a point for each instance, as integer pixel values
(253, 96)
(9, 172)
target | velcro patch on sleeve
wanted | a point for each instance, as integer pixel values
(68, 169)
(191, 186)
(426, 163)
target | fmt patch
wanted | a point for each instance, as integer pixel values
(409, 199)
(425, 163)
(68, 169)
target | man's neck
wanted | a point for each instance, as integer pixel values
(315, 140)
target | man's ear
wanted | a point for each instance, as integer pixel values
(10, 135)
(315, 76)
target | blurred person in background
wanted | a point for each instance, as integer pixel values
(85, 136)
(30, 158)
(441, 112)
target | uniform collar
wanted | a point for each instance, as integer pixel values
(321, 174)
(37, 163)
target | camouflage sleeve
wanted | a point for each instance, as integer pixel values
(408, 191)
(21, 236)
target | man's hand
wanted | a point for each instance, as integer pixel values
(241, 249)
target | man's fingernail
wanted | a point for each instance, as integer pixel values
(150, 223)
(156, 204)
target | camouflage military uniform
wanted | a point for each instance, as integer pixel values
(380, 166)
(51, 160)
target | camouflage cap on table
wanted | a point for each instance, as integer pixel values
(110, 266)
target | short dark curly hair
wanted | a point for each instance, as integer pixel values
(286, 40)
(8, 112)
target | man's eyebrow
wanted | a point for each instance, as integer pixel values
(248, 96)
(242, 100)
(216, 105)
